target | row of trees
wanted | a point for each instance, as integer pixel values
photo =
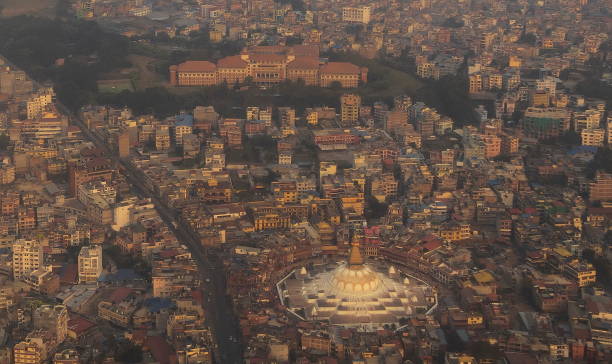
(35, 44)
(228, 100)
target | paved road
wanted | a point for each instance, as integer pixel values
(219, 312)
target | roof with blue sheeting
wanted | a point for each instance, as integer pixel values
(156, 304)
(184, 120)
(122, 275)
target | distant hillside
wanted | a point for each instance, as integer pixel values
(28, 7)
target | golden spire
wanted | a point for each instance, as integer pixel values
(355, 260)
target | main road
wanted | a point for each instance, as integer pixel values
(219, 313)
(217, 304)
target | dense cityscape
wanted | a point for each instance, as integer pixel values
(299, 181)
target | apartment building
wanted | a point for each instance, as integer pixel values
(53, 319)
(349, 109)
(593, 137)
(90, 264)
(27, 257)
(29, 352)
(601, 188)
(545, 123)
(359, 14)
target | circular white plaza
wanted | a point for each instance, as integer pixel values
(355, 294)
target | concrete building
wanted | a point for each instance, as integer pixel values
(509, 144)
(162, 138)
(609, 132)
(29, 352)
(37, 104)
(357, 14)
(395, 120)
(601, 188)
(492, 146)
(182, 127)
(67, 356)
(123, 144)
(27, 257)
(545, 123)
(53, 319)
(90, 264)
(593, 137)
(349, 109)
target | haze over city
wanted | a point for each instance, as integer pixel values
(305, 181)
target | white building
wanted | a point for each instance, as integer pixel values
(285, 158)
(37, 104)
(87, 191)
(588, 119)
(121, 214)
(27, 257)
(548, 84)
(90, 264)
(357, 15)
(180, 129)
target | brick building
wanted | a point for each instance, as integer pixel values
(266, 65)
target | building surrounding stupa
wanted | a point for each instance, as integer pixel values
(354, 293)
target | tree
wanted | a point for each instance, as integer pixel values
(449, 96)
(335, 85)
(34, 44)
(601, 265)
(4, 141)
(293, 40)
(377, 209)
(601, 161)
(453, 22)
(127, 352)
(528, 38)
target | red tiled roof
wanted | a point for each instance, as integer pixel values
(340, 67)
(306, 50)
(197, 296)
(119, 294)
(92, 152)
(97, 162)
(304, 62)
(231, 62)
(600, 211)
(79, 325)
(197, 66)
(535, 254)
(168, 253)
(267, 58)
(266, 49)
(520, 358)
(159, 348)
(139, 336)
(69, 274)
(432, 245)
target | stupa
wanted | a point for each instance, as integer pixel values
(355, 293)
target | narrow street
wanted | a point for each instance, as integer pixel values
(217, 304)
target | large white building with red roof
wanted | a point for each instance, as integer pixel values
(266, 65)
